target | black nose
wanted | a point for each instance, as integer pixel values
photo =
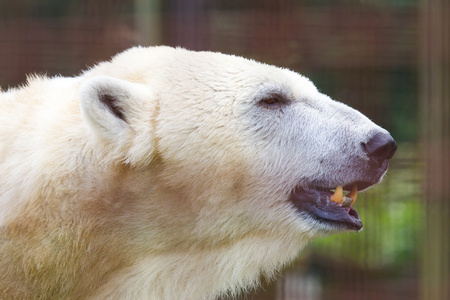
(381, 146)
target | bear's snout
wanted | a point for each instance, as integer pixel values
(380, 147)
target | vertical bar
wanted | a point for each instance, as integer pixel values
(435, 98)
(148, 21)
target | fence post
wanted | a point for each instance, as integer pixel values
(147, 15)
(435, 101)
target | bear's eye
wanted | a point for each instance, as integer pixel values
(273, 101)
(270, 101)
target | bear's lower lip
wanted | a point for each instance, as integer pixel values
(315, 202)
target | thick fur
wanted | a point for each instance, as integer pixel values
(162, 175)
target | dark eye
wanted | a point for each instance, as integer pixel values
(273, 101)
(270, 101)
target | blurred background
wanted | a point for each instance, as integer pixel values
(390, 59)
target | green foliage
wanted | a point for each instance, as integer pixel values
(402, 104)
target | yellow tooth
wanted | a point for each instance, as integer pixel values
(353, 194)
(338, 195)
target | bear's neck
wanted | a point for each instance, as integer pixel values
(201, 273)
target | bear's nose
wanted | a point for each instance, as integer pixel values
(381, 146)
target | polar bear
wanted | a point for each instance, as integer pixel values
(171, 174)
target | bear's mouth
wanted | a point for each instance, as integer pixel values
(332, 208)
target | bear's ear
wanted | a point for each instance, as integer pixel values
(119, 113)
(106, 105)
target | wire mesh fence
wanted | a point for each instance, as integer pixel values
(364, 53)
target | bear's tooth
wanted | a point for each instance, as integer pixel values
(353, 194)
(338, 195)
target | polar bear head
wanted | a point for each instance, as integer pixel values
(237, 138)
(219, 148)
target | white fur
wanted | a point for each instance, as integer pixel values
(184, 198)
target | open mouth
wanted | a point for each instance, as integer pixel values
(331, 208)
